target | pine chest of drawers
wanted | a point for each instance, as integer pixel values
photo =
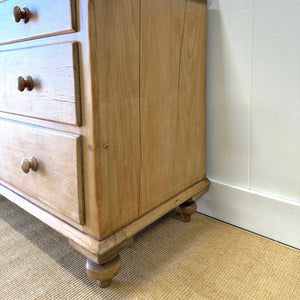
(102, 117)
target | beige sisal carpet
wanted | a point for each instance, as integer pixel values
(204, 259)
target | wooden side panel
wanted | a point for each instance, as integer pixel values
(173, 60)
(115, 51)
(57, 182)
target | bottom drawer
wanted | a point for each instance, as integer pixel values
(57, 182)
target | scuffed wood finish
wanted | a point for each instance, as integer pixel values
(57, 180)
(47, 17)
(106, 257)
(115, 69)
(54, 70)
(173, 52)
(86, 243)
(101, 248)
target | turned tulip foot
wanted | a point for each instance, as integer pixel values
(186, 210)
(107, 266)
(104, 273)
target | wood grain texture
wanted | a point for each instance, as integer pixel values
(113, 252)
(98, 249)
(173, 55)
(47, 17)
(55, 73)
(86, 130)
(88, 244)
(115, 82)
(129, 122)
(57, 182)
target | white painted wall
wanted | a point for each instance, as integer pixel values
(253, 116)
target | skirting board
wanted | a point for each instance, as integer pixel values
(272, 217)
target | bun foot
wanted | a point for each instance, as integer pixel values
(186, 210)
(104, 273)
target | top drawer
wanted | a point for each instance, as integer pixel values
(47, 17)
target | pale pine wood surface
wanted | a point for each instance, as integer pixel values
(91, 247)
(57, 182)
(173, 52)
(91, 202)
(114, 33)
(118, 109)
(47, 17)
(54, 70)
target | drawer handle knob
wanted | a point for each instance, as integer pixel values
(29, 164)
(25, 83)
(19, 14)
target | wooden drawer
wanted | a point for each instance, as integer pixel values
(58, 180)
(54, 70)
(47, 17)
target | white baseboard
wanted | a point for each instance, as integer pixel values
(269, 216)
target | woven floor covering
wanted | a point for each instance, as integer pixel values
(203, 259)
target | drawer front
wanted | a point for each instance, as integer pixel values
(46, 17)
(57, 182)
(54, 71)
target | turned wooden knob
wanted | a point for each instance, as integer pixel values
(25, 83)
(19, 14)
(29, 164)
